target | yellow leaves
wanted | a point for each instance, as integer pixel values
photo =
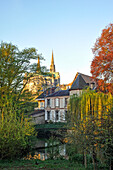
(28, 134)
(86, 105)
(22, 119)
(95, 132)
(95, 144)
(2, 116)
(73, 128)
(30, 157)
(99, 107)
(65, 140)
(102, 145)
(99, 123)
(5, 53)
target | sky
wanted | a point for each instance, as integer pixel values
(68, 27)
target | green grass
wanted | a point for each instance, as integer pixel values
(37, 164)
(60, 164)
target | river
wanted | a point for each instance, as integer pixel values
(47, 148)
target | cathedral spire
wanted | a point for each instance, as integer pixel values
(38, 64)
(52, 66)
(52, 59)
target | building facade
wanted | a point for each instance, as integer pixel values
(53, 101)
(80, 82)
(56, 106)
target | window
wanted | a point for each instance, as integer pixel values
(48, 102)
(65, 102)
(92, 85)
(57, 102)
(42, 104)
(48, 115)
(56, 116)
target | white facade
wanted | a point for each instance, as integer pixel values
(56, 108)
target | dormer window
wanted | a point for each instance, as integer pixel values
(65, 102)
(92, 85)
(48, 102)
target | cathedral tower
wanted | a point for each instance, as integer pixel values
(52, 66)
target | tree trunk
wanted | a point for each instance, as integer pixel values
(94, 159)
(85, 159)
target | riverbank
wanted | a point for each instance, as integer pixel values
(38, 164)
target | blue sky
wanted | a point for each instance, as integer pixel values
(68, 27)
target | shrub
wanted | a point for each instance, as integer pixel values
(14, 136)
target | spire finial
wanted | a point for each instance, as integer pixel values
(52, 66)
(52, 59)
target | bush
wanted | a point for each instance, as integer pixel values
(14, 136)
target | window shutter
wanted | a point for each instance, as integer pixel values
(61, 103)
(45, 114)
(50, 102)
(64, 115)
(57, 102)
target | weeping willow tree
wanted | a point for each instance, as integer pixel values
(90, 116)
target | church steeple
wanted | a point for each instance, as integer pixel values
(38, 64)
(52, 66)
(52, 59)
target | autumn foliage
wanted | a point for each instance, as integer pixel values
(102, 64)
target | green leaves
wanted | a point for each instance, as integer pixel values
(14, 128)
(91, 118)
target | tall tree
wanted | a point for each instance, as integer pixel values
(13, 66)
(14, 128)
(102, 64)
(90, 116)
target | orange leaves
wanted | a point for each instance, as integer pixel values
(102, 64)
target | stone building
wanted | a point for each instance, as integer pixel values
(80, 82)
(52, 103)
(56, 106)
(39, 82)
(38, 115)
(56, 103)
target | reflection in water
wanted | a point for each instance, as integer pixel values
(45, 150)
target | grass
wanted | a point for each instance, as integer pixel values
(38, 164)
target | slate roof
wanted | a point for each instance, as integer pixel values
(79, 83)
(46, 92)
(86, 78)
(59, 93)
(42, 95)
